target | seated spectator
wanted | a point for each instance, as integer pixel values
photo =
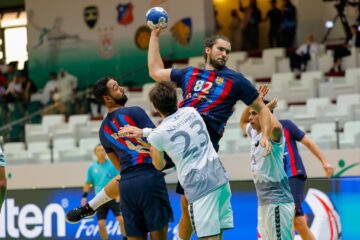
(11, 71)
(344, 50)
(28, 87)
(14, 91)
(299, 59)
(46, 95)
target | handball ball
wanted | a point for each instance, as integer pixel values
(156, 16)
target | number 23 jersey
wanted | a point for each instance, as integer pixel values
(184, 137)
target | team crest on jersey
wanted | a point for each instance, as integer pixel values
(125, 14)
(219, 80)
(106, 42)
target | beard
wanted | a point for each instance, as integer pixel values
(121, 100)
(217, 64)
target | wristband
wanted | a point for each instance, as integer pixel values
(84, 194)
(146, 132)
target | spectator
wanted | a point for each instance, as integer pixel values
(28, 87)
(218, 25)
(274, 15)
(299, 59)
(345, 50)
(67, 84)
(289, 24)
(14, 91)
(11, 71)
(50, 89)
(250, 25)
(235, 29)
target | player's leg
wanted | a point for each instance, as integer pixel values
(301, 226)
(155, 206)
(159, 234)
(101, 214)
(297, 186)
(185, 228)
(115, 208)
(109, 192)
(2, 185)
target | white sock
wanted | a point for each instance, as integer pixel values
(100, 199)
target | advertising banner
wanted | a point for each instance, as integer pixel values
(331, 208)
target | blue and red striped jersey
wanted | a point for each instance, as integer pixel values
(213, 93)
(130, 151)
(293, 163)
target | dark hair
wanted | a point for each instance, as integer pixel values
(164, 97)
(97, 145)
(100, 89)
(210, 42)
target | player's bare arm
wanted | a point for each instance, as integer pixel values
(244, 119)
(314, 149)
(157, 70)
(265, 121)
(157, 158)
(115, 160)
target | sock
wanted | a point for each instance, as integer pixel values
(100, 199)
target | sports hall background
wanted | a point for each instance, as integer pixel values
(42, 187)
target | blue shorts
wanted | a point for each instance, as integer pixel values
(297, 186)
(145, 204)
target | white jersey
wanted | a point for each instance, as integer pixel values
(184, 137)
(2, 158)
(271, 181)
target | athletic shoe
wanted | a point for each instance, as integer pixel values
(79, 213)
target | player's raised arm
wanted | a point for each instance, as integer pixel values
(157, 70)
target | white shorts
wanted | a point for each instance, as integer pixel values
(212, 213)
(275, 221)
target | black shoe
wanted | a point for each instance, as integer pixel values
(79, 213)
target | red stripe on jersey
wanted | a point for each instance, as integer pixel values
(290, 152)
(228, 85)
(211, 79)
(190, 84)
(108, 131)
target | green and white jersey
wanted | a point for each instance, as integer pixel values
(2, 158)
(184, 137)
(271, 181)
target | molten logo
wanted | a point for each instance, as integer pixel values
(30, 222)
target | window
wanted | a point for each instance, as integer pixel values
(13, 44)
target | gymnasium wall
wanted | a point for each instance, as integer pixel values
(91, 38)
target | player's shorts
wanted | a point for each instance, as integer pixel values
(103, 210)
(275, 221)
(297, 186)
(212, 213)
(145, 204)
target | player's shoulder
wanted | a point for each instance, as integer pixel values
(286, 123)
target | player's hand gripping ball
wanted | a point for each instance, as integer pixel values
(156, 17)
